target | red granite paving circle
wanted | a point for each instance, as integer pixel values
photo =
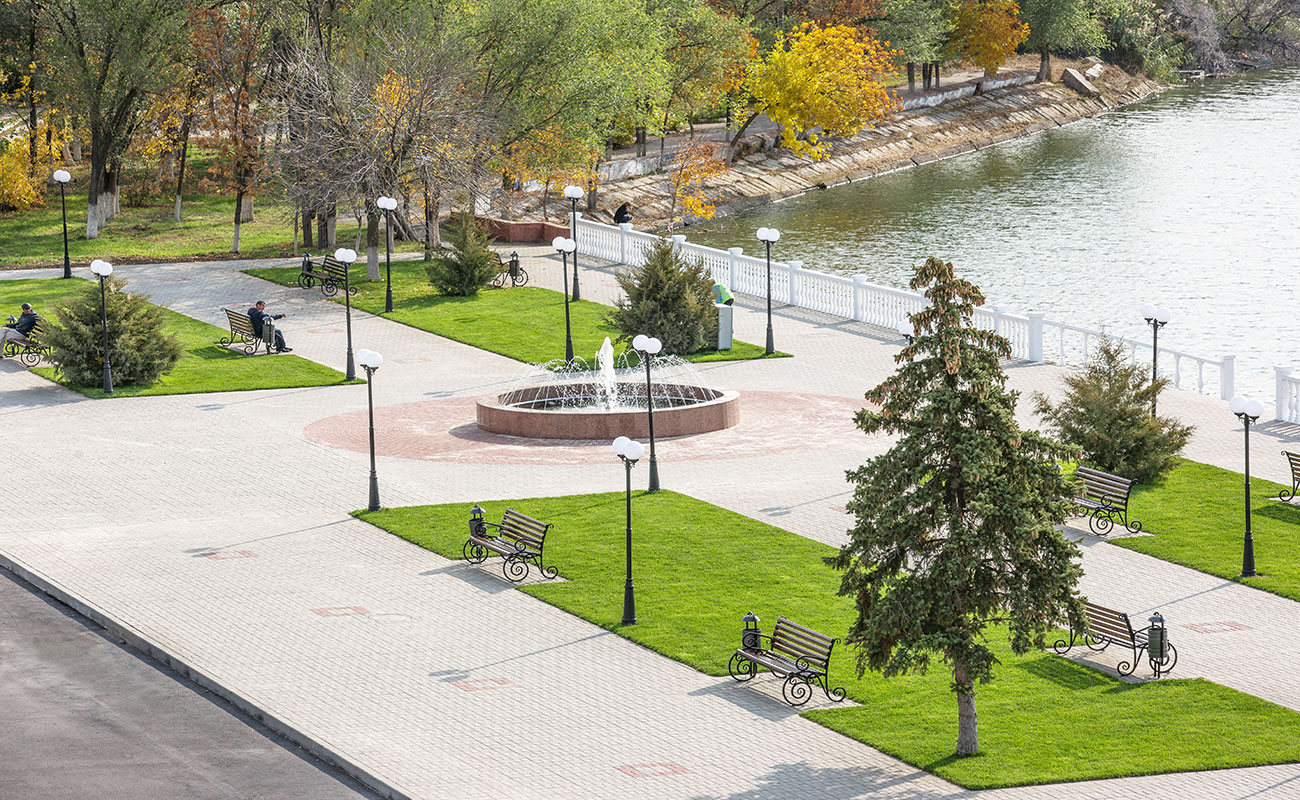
(444, 430)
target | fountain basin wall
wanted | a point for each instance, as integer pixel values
(706, 410)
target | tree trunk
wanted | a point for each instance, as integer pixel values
(735, 140)
(307, 216)
(94, 192)
(296, 221)
(239, 204)
(167, 166)
(911, 76)
(1044, 65)
(429, 217)
(323, 229)
(180, 174)
(67, 155)
(925, 77)
(372, 239)
(76, 148)
(246, 208)
(967, 721)
(936, 74)
(31, 91)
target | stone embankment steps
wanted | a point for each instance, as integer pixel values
(905, 140)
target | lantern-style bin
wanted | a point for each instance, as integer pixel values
(514, 266)
(1160, 652)
(477, 527)
(751, 638)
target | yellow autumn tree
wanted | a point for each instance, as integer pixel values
(553, 156)
(821, 80)
(987, 32)
(688, 173)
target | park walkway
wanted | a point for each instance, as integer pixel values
(215, 528)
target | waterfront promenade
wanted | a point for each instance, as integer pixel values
(214, 530)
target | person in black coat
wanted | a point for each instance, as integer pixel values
(623, 214)
(258, 315)
(17, 329)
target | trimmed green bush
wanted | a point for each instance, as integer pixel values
(469, 265)
(1107, 414)
(139, 347)
(669, 297)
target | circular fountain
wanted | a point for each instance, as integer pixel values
(574, 401)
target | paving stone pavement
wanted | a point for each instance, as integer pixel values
(213, 528)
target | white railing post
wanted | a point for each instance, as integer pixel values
(623, 228)
(792, 282)
(678, 240)
(1281, 394)
(998, 311)
(859, 297)
(732, 254)
(1227, 377)
(1035, 343)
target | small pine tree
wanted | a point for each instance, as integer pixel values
(669, 297)
(1106, 413)
(469, 265)
(139, 348)
(956, 523)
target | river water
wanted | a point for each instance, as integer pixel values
(1188, 200)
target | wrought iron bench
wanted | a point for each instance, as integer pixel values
(1287, 494)
(519, 539)
(510, 272)
(242, 334)
(30, 353)
(331, 276)
(798, 654)
(1106, 627)
(1104, 500)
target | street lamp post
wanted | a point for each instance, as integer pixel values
(769, 236)
(629, 451)
(1247, 410)
(62, 176)
(347, 256)
(565, 246)
(649, 347)
(388, 204)
(1157, 318)
(103, 269)
(370, 361)
(574, 193)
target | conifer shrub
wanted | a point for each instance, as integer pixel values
(670, 297)
(469, 265)
(139, 348)
(1106, 413)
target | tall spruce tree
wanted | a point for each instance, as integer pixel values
(956, 523)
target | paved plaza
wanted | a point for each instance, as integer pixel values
(214, 531)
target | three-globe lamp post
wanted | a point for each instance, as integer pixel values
(1247, 410)
(388, 204)
(103, 269)
(62, 176)
(649, 347)
(769, 237)
(1157, 318)
(629, 451)
(347, 257)
(574, 193)
(370, 361)
(565, 246)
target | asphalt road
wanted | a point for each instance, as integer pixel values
(82, 717)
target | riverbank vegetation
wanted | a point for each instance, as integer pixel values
(311, 111)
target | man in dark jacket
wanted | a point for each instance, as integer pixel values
(17, 330)
(259, 316)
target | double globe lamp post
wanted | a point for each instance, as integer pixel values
(769, 237)
(347, 257)
(103, 269)
(565, 246)
(62, 176)
(1157, 318)
(574, 193)
(629, 451)
(649, 347)
(370, 361)
(388, 204)
(1247, 410)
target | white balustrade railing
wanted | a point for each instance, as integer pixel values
(1287, 401)
(1032, 337)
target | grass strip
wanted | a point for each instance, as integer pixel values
(525, 323)
(699, 568)
(204, 366)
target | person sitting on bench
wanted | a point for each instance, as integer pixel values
(17, 329)
(259, 316)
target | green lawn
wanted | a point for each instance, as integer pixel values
(203, 367)
(699, 568)
(1197, 518)
(524, 323)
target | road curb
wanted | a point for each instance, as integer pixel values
(136, 641)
